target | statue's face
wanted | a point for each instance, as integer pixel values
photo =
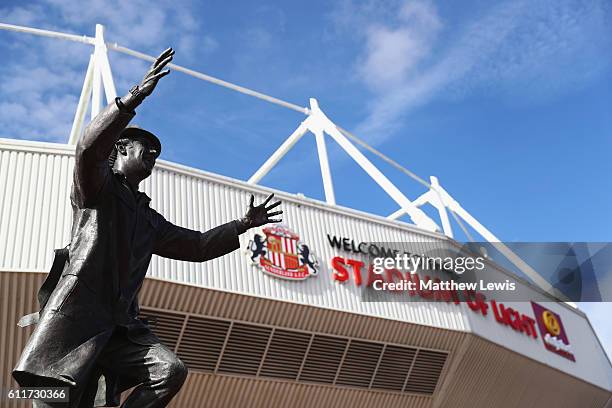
(138, 157)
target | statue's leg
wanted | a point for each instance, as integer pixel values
(79, 397)
(45, 404)
(155, 368)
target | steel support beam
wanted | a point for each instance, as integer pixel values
(501, 247)
(319, 133)
(439, 204)
(418, 216)
(79, 116)
(278, 154)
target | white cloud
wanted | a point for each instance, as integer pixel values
(209, 44)
(390, 56)
(516, 49)
(21, 15)
(46, 118)
(40, 87)
(35, 80)
(259, 37)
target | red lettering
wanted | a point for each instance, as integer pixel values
(518, 321)
(528, 326)
(514, 318)
(357, 265)
(340, 273)
(498, 315)
(393, 275)
(478, 303)
(443, 294)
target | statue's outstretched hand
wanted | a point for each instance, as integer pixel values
(259, 215)
(149, 81)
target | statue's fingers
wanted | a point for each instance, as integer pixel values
(272, 214)
(252, 201)
(167, 52)
(276, 204)
(159, 75)
(268, 199)
(164, 52)
(162, 64)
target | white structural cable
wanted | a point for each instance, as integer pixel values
(114, 46)
(46, 33)
(383, 157)
(463, 228)
(212, 79)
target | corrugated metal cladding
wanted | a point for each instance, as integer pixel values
(231, 347)
(477, 374)
(225, 391)
(488, 375)
(233, 389)
(36, 217)
(35, 213)
(17, 298)
(163, 296)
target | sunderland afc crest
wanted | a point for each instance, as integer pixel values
(281, 253)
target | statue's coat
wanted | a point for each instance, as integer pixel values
(114, 234)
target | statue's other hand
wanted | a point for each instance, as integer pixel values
(260, 215)
(149, 81)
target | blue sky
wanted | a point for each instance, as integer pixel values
(507, 103)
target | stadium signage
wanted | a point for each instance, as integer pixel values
(345, 269)
(365, 248)
(282, 254)
(388, 258)
(552, 330)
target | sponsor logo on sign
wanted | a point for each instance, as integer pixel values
(553, 333)
(281, 253)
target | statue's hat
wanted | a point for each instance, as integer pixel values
(132, 132)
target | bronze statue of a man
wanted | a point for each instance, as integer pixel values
(88, 335)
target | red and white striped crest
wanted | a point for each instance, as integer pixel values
(282, 254)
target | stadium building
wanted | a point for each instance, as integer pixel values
(283, 321)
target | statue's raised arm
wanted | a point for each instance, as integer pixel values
(93, 149)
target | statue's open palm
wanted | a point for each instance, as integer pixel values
(259, 215)
(155, 72)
